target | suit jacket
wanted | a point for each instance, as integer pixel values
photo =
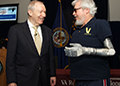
(23, 64)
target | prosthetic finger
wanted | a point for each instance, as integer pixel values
(73, 51)
(70, 53)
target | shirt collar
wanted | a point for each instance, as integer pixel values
(90, 22)
(31, 25)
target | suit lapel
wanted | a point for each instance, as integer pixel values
(43, 35)
(28, 35)
(27, 32)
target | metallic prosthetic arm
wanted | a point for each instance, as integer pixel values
(78, 50)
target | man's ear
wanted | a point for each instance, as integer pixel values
(87, 10)
(30, 12)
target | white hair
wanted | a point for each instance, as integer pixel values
(32, 4)
(90, 4)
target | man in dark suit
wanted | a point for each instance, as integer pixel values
(26, 65)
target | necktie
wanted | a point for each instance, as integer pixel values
(37, 40)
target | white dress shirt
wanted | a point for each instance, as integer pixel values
(32, 30)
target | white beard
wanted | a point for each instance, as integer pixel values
(80, 22)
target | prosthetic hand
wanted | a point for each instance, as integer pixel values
(75, 50)
(78, 50)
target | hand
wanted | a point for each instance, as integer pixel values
(74, 51)
(12, 84)
(53, 81)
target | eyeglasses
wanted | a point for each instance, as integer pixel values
(75, 9)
